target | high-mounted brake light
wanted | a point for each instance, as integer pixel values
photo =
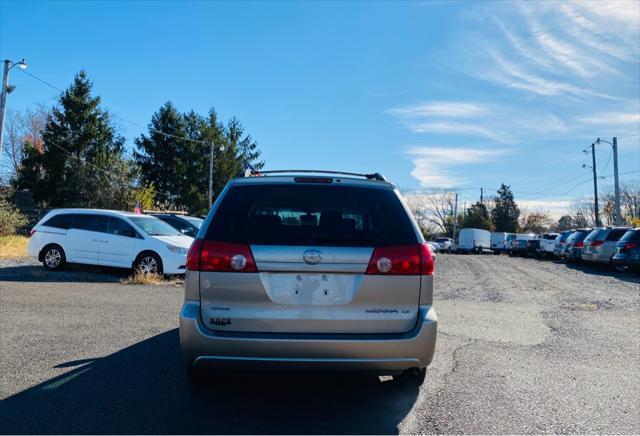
(401, 260)
(210, 256)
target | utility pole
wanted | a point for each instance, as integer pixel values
(615, 180)
(481, 195)
(211, 175)
(7, 89)
(595, 185)
(455, 217)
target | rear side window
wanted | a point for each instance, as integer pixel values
(615, 234)
(579, 236)
(116, 226)
(311, 215)
(631, 236)
(61, 221)
(90, 222)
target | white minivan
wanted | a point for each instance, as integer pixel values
(474, 240)
(109, 238)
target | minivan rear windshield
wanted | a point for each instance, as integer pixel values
(273, 214)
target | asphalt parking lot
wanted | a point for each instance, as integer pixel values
(524, 346)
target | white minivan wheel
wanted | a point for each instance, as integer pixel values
(148, 263)
(53, 257)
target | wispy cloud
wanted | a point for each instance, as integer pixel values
(611, 118)
(515, 76)
(433, 166)
(441, 109)
(459, 129)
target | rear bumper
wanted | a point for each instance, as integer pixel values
(386, 354)
(596, 257)
(629, 260)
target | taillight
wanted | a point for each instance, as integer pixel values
(628, 246)
(213, 256)
(578, 244)
(401, 260)
(32, 232)
(596, 243)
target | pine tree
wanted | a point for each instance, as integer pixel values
(177, 162)
(477, 217)
(505, 214)
(161, 154)
(81, 157)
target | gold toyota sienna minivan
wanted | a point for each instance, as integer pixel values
(309, 271)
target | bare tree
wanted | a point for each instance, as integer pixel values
(535, 222)
(583, 212)
(22, 128)
(433, 210)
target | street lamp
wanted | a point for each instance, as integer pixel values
(7, 89)
(616, 184)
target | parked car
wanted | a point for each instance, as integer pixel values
(575, 244)
(110, 238)
(561, 243)
(501, 241)
(519, 244)
(309, 272)
(187, 225)
(601, 244)
(433, 246)
(627, 255)
(445, 244)
(474, 240)
(548, 243)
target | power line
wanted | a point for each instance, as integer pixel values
(185, 138)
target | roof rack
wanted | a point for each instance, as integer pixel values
(373, 176)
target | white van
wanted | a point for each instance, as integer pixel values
(501, 241)
(109, 238)
(474, 240)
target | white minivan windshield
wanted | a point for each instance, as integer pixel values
(154, 227)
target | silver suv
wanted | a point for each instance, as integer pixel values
(298, 272)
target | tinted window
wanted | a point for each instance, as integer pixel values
(597, 235)
(565, 236)
(90, 222)
(311, 215)
(179, 224)
(153, 226)
(197, 222)
(579, 236)
(550, 237)
(59, 221)
(631, 236)
(116, 226)
(615, 234)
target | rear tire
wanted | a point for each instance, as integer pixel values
(53, 257)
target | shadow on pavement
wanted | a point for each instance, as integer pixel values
(143, 389)
(604, 270)
(72, 273)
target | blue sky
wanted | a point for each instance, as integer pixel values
(433, 95)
